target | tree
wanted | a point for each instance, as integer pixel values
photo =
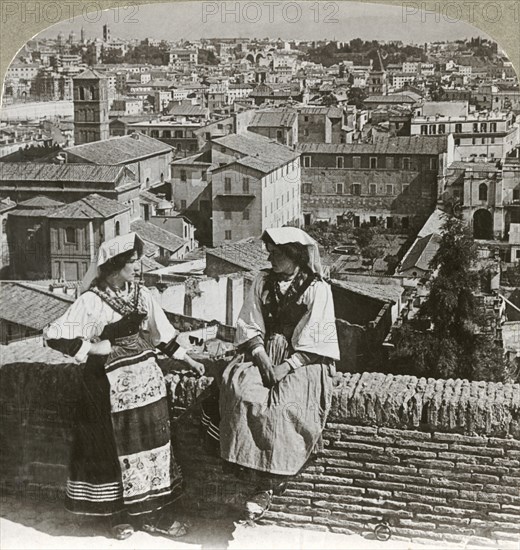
(446, 338)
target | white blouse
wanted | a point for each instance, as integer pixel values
(316, 331)
(89, 314)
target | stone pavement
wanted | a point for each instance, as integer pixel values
(26, 524)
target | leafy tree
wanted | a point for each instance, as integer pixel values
(445, 340)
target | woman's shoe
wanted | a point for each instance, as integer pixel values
(122, 531)
(174, 531)
(258, 504)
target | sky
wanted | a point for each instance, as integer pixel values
(342, 21)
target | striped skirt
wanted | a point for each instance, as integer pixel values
(122, 456)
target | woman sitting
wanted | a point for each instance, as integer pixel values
(122, 463)
(275, 395)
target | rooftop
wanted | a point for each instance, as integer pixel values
(41, 201)
(39, 171)
(30, 305)
(250, 144)
(384, 293)
(273, 119)
(412, 145)
(119, 150)
(157, 236)
(421, 253)
(249, 254)
(92, 206)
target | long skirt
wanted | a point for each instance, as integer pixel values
(274, 429)
(122, 456)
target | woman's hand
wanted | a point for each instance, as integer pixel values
(104, 347)
(194, 365)
(281, 371)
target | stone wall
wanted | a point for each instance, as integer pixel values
(439, 458)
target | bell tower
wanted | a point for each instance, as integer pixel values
(90, 107)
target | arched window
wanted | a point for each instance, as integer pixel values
(118, 229)
(482, 192)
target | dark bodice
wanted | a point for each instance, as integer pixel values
(127, 326)
(281, 312)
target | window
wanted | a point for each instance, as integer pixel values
(492, 140)
(483, 141)
(389, 222)
(245, 185)
(356, 221)
(406, 163)
(405, 223)
(339, 162)
(433, 129)
(424, 129)
(307, 188)
(356, 162)
(373, 189)
(178, 134)
(227, 234)
(492, 126)
(4, 226)
(306, 161)
(390, 189)
(227, 215)
(457, 141)
(306, 119)
(245, 215)
(475, 127)
(442, 128)
(373, 221)
(390, 162)
(339, 189)
(227, 185)
(482, 192)
(183, 205)
(183, 175)
(306, 132)
(483, 127)
(356, 189)
(516, 194)
(458, 128)
(473, 141)
(117, 229)
(373, 162)
(433, 164)
(279, 136)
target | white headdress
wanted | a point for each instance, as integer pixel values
(110, 249)
(288, 235)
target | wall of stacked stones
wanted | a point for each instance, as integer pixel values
(437, 458)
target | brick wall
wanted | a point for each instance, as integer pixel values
(439, 458)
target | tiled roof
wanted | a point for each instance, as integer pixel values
(119, 150)
(273, 118)
(30, 306)
(249, 254)
(89, 74)
(92, 206)
(40, 201)
(421, 253)
(253, 145)
(39, 171)
(385, 293)
(149, 197)
(157, 236)
(434, 223)
(31, 350)
(400, 98)
(331, 112)
(188, 110)
(413, 145)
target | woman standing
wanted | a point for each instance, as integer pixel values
(122, 463)
(275, 395)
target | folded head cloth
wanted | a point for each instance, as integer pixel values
(290, 235)
(108, 250)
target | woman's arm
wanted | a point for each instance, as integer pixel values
(164, 336)
(71, 334)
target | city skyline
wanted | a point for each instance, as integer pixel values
(342, 21)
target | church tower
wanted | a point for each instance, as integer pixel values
(90, 107)
(377, 83)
